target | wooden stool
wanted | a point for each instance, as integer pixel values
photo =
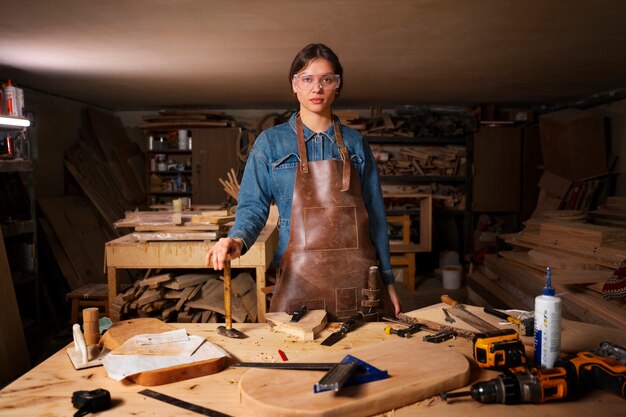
(90, 295)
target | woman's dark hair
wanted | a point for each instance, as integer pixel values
(313, 51)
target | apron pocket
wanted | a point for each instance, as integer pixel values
(346, 300)
(330, 228)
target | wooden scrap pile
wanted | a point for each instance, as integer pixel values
(170, 225)
(186, 298)
(446, 160)
(583, 257)
(172, 119)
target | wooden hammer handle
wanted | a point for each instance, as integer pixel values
(449, 300)
(227, 307)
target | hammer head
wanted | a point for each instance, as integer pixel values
(230, 332)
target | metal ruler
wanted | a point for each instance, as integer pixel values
(182, 404)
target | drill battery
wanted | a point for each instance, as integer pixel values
(499, 350)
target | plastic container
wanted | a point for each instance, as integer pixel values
(547, 326)
(183, 143)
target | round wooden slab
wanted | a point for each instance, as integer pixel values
(121, 331)
(417, 371)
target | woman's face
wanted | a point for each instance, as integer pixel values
(315, 87)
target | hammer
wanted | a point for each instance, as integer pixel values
(228, 330)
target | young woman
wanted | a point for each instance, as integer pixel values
(322, 176)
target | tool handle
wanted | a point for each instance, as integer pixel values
(496, 313)
(449, 300)
(372, 281)
(227, 308)
(351, 323)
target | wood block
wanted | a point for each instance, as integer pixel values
(313, 322)
(183, 298)
(187, 280)
(270, 392)
(148, 297)
(156, 279)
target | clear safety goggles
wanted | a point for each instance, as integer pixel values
(306, 82)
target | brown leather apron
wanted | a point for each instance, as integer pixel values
(327, 260)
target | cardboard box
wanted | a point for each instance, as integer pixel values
(573, 144)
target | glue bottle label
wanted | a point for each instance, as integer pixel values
(547, 330)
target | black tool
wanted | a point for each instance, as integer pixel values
(298, 314)
(442, 336)
(182, 404)
(406, 332)
(448, 318)
(346, 326)
(91, 401)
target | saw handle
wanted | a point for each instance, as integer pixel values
(450, 301)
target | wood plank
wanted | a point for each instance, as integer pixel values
(438, 370)
(307, 328)
(560, 276)
(187, 280)
(13, 350)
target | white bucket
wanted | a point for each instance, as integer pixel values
(452, 276)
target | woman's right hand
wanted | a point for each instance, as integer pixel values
(226, 249)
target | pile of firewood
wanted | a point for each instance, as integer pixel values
(186, 298)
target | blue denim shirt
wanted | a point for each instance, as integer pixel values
(270, 175)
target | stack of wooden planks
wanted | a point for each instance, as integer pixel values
(170, 225)
(186, 119)
(186, 298)
(582, 257)
(421, 122)
(448, 160)
(611, 213)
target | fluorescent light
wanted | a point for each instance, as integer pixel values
(14, 121)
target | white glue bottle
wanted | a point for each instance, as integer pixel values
(547, 326)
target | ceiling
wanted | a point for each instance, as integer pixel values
(221, 54)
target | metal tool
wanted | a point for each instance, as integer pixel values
(406, 332)
(182, 404)
(372, 283)
(449, 318)
(350, 371)
(346, 327)
(461, 312)
(228, 330)
(298, 314)
(526, 326)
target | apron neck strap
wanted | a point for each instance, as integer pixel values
(343, 151)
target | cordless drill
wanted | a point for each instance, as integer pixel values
(567, 379)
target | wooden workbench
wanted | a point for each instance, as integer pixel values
(126, 253)
(47, 389)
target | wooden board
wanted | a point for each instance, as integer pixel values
(310, 325)
(121, 331)
(417, 371)
(13, 351)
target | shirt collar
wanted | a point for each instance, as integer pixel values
(308, 133)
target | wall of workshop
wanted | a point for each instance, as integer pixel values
(55, 129)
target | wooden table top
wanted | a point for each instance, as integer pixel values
(47, 389)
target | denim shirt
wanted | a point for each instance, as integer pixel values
(270, 175)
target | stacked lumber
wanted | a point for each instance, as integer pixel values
(581, 256)
(611, 213)
(423, 123)
(107, 166)
(174, 119)
(172, 225)
(186, 298)
(448, 160)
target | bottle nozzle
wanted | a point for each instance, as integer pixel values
(548, 290)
